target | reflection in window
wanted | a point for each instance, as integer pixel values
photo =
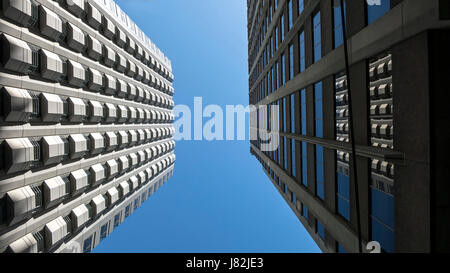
(290, 14)
(285, 153)
(300, 5)
(302, 51)
(276, 76)
(318, 109)
(291, 62)
(317, 37)
(304, 211)
(376, 11)
(320, 230)
(116, 220)
(343, 190)
(276, 38)
(383, 219)
(283, 74)
(320, 180)
(293, 166)
(87, 245)
(292, 113)
(103, 232)
(338, 30)
(305, 164)
(284, 113)
(303, 110)
(340, 249)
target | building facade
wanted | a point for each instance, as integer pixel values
(398, 56)
(85, 125)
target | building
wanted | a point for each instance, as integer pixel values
(399, 57)
(85, 125)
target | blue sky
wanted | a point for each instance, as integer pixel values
(219, 199)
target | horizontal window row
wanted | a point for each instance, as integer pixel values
(20, 57)
(383, 168)
(23, 202)
(83, 215)
(24, 153)
(28, 13)
(20, 105)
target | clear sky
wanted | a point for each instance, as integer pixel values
(219, 199)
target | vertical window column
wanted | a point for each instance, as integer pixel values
(382, 133)
(342, 158)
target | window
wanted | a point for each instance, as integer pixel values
(271, 47)
(117, 220)
(375, 11)
(270, 12)
(136, 203)
(276, 75)
(340, 248)
(127, 211)
(337, 23)
(343, 192)
(284, 117)
(272, 80)
(317, 37)
(279, 150)
(150, 191)
(103, 231)
(283, 74)
(300, 5)
(304, 211)
(303, 111)
(291, 62)
(285, 152)
(305, 164)
(282, 27)
(292, 113)
(290, 15)
(293, 166)
(294, 199)
(383, 219)
(276, 38)
(320, 229)
(87, 245)
(318, 109)
(276, 4)
(320, 180)
(301, 51)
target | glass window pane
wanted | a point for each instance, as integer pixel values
(304, 164)
(317, 37)
(293, 165)
(375, 11)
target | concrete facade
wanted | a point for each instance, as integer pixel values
(397, 61)
(86, 119)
